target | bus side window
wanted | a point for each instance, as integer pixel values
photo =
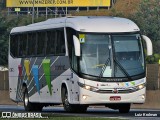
(50, 42)
(41, 43)
(24, 48)
(31, 44)
(22, 45)
(14, 45)
(60, 43)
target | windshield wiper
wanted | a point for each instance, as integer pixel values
(122, 68)
(104, 67)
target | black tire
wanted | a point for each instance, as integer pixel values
(69, 107)
(124, 108)
(28, 105)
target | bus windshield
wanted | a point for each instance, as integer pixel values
(105, 55)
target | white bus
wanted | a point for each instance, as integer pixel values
(78, 62)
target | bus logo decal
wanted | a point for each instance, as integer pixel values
(127, 84)
(27, 68)
(36, 76)
(115, 90)
(47, 72)
(122, 84)
(133, 83)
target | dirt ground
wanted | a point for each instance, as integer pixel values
(152, 101)
(4, 98)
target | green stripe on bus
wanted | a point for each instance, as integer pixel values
(47, 72)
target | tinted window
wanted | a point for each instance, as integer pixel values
(60, 43)
(14, 45)
(31, 44)
(41, 43)
(35, 44)
(22, 43)
(51, 38)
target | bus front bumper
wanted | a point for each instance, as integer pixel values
(89, 97)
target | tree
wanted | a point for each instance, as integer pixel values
(148, 19)
(3, 42)
(3, 51)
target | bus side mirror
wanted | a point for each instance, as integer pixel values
(76, 46)
(148, 44)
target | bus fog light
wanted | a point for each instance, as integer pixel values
(143, 96)
(84, 97)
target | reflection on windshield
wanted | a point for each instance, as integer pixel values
(95, 52)
(128, 52)
(99, 55)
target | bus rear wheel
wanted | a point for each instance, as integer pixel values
(28, 105)
(124, 108)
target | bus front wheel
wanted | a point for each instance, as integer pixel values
(124, 108)
(67, 106)
(70, 107)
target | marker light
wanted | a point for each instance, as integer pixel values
(143, 96)
(84, 97)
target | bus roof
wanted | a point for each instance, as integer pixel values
(83, 24)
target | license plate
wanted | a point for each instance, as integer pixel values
(115, 98)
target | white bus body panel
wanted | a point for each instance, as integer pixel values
(13, 77)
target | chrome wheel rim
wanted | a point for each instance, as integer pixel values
(26, 99)
(66, 100)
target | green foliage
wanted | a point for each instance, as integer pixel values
(148, 19)
(153, 59)
(2, 4)
(3, 42)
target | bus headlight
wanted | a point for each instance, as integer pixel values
(143, 96)
(141, 86)
(84, 97)
(88, 87)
